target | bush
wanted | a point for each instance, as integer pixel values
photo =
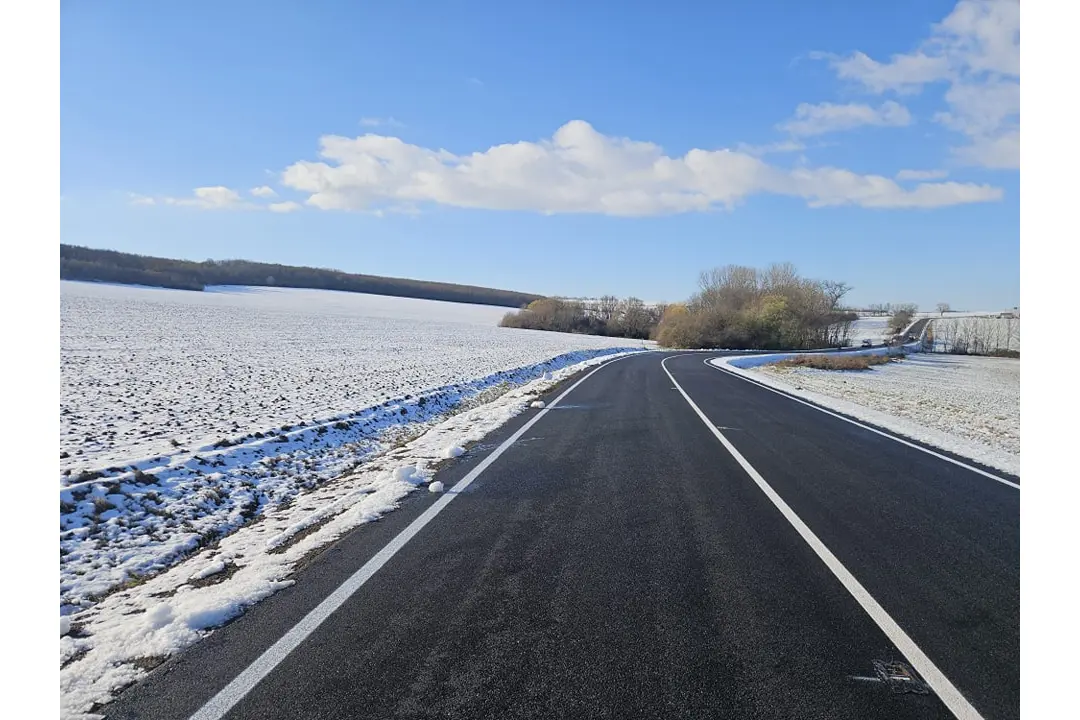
(771, 309)
(629, 318)
(836, 362)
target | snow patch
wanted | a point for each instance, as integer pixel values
(212, 569)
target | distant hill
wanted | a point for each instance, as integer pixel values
(80, 263)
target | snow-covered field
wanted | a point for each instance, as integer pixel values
(964, 404)
(868, 327)
(185, 415)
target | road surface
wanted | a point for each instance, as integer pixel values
(618, 559)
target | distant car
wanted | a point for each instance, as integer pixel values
(868, 343)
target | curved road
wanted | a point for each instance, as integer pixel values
(668, 540)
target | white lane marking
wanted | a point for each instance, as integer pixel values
(900, 440)
(220, 704)
(936, 679)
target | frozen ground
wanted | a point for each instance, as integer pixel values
(113, 643)
(145, 371)
(963, 404)
(186, 415)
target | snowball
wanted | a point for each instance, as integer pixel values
(453, 451)
(405, 473)
(435, 487)
(537, 404)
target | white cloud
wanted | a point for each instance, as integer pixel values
(827, 117)
(902, 73)
(381, 122)
(219, 197)
(579, 170)
(976, 50)
(922, 174)
(137, 199)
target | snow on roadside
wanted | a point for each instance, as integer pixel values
(127, 523)
(963, 404)
(109, 645)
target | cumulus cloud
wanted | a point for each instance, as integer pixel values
(922, 174)
(976, 51)
(827, 117)
(218, 197)
(580, 170)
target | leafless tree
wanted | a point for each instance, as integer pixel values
(607, 307)
(943, 308)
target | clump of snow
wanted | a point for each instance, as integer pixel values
(453, 451)
(169, 611)
(65, 625)
(537, 404)
(436, 487)
(964, 404)
(212, 569)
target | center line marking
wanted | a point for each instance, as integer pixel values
(941, 685)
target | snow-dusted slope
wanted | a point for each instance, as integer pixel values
(145, 371)
(963, 404)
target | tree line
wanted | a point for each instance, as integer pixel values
(81, 263)
(608, 315)
(735, 307)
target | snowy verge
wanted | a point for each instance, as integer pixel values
(752, 361)
(115, 642)
(123, 524)
(930, 399)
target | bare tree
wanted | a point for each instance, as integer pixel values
(943, 308)
(607, 307)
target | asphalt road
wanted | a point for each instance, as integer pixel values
(618, 561)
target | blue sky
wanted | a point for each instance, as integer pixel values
(641, 143)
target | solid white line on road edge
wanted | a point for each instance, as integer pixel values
(220, 704)
(900, 440)
(942, 686)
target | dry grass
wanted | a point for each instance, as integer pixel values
(836, 362)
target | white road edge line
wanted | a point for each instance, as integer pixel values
(942, 686)
(900, 440)
(217, 706)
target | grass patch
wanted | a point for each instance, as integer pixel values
(228, 572)
(102, 505)
(836, 362)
